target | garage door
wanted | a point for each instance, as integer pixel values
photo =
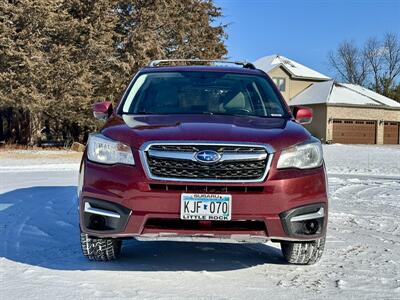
(354, 132)
(391, 133)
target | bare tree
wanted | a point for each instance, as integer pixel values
(383, 59)
(376, 65)
(391, 61)
(373, 56)
(349, 63)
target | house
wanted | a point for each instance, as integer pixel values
(290, 76)
(343, 113)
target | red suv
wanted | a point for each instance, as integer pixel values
(203, 151)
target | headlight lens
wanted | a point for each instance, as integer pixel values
(107, 151)
(304, 156)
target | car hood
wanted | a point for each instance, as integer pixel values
(135, 130)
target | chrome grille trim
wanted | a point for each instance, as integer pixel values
(241, 156)
(189, 156)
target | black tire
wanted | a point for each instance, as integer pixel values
(98, 249)
(303, 253)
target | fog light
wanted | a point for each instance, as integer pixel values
(305, 220)
(97, 222)
(101, 215)
(311, 227)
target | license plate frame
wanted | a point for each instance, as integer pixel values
(206, 207)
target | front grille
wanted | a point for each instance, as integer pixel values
(188, 169)
(246, 162)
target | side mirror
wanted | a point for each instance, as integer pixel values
(302, 114)
(102, 110)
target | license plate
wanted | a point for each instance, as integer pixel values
(213, 207)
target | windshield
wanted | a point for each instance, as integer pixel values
(203, 93)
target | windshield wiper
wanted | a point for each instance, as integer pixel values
(234, 115)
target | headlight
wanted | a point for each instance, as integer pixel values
(107, 151)
(303, 156)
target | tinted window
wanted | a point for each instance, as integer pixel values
(202, 92)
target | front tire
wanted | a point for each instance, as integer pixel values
(98, 249)
(303, 253)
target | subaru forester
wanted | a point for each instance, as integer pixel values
(201, 151)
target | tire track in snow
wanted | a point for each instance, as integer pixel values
(364, 216)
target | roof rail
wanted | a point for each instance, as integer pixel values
(163, 62)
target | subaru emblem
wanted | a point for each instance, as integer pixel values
(207, 156)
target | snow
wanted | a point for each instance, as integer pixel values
(40, 256)
(9, 168)
(377, 97)
(315, 94)
(267, 63)
(361, 160)
(341, 93)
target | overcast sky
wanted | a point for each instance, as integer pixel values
(304, 30)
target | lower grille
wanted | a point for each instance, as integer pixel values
(207, 188)
(176, 224)
(242, 163)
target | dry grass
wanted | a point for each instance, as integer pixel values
(15, 151)
(39, 153)
(25, 147)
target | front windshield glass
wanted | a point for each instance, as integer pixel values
(203, 93)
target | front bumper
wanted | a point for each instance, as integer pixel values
(258, 209)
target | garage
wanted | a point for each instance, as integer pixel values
(354, 132)
(391, 133)
(350, 114)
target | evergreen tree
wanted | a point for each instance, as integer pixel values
(58, 57)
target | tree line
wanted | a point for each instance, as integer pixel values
(374, 65)
(58, 57)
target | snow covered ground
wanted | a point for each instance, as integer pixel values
(40, 256)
